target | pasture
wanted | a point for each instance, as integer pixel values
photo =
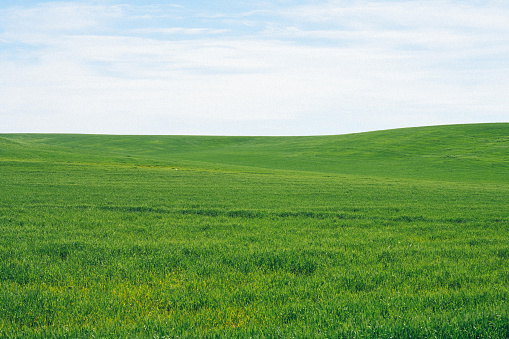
(400, 233)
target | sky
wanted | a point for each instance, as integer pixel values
(278, 67)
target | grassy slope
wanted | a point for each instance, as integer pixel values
(455, 152)
(393, 233)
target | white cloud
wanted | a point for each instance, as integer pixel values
(401, 14)
(59, 17)
(317, 69)
(179, 30)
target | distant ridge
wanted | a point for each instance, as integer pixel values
(449, 152)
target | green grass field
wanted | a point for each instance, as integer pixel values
(390, 234)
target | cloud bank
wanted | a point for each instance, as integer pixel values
(285, 68)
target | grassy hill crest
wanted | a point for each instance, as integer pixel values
(449, 152)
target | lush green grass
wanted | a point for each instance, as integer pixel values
(401, 233)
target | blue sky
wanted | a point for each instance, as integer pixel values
(251, 67)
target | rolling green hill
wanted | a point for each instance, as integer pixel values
(454, 152)
(391, 234)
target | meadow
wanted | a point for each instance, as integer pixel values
(390, 234)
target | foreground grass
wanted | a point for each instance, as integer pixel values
(159, 245)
